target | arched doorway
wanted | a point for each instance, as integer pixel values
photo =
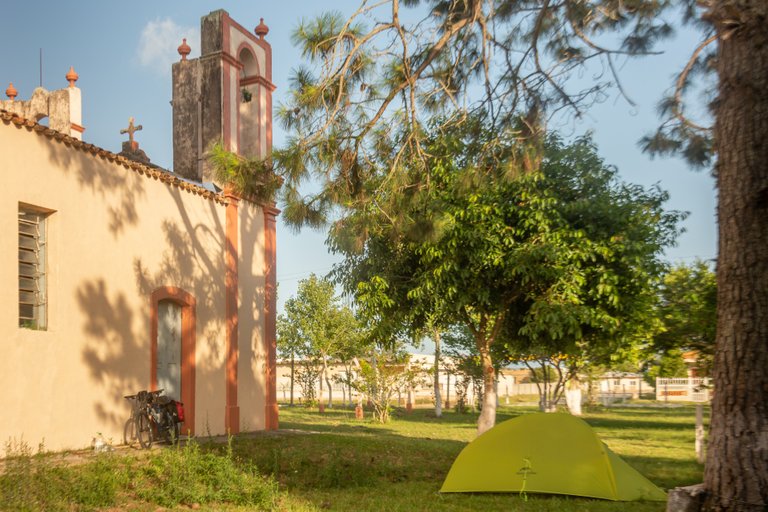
(172, 348)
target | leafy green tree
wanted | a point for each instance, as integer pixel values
(372, 89)
(668, 364)
(383, 372)
(350, 345)
(289, 344)
(688, 313)
(318, 329)
(308, 375)
(550, 262)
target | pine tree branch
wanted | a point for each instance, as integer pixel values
(680, 86)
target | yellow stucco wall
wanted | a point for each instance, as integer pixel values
(114, 237)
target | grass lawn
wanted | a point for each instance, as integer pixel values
(333, 462)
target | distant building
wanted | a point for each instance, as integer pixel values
(623, 384)
(511, 382)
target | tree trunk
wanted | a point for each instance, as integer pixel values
(487, 418)
(321, 395)
(447, 390)
(330, 389)
(356, 364)
(327, 379)
(292, 373)
(736, 474)
(438, 398)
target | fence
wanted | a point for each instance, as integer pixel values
(683, 389)
(425, 391)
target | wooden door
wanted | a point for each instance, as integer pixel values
(169, 348)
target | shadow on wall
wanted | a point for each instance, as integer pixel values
(252, 300)
(117, 345)
(113, 351)
(117, 351)
(112, 347)
(128, 182)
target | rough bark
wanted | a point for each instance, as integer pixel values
(736, 475)
(487, 418)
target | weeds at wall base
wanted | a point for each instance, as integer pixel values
(178, 475)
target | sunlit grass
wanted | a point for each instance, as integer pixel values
(332, 461)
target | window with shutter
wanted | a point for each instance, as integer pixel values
(32, 268)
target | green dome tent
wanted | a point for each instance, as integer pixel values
(550, 453)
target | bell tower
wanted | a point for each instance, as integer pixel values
(223, 95)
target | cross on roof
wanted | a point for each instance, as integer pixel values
(130, 131)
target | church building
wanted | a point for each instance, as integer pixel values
(119, 276)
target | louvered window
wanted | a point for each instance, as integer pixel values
(32, 268)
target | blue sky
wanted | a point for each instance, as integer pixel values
(123, 51)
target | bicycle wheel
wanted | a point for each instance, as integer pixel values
(176, 431)
(144, 431)
(129, 433)
(169, 430)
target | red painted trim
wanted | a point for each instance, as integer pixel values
(267, 57)
(270, 317)
(226, 106)
(225, 85)
(230, 59)
(250, 35)
(239, 130)
(232, 412)
(188, 346)
(268, 122)
(259, 127)
(225, 22)
(250, 80)
(270, 88)
(246, 45)
(241, 66)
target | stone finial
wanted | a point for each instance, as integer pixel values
(261, 29)
(184, 49)
(11, 91)
(72, 76)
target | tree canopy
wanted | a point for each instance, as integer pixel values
(556, 261)
(688, 312)
(373, 81)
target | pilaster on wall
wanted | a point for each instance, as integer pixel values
(232, 410)
(270, 317)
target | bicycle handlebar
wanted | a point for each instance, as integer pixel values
(157, 392)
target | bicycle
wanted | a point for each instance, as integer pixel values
(152, 416)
